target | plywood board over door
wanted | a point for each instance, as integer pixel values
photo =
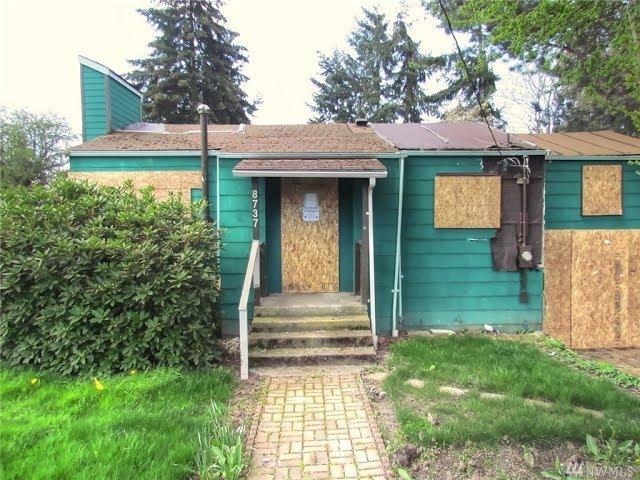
(592, 283)
(309, 248)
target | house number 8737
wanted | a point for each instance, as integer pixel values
(254, 203)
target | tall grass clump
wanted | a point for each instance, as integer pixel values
(220, 448)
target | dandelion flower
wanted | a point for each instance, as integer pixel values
(132, 372)
(34, 381)
(98, 384)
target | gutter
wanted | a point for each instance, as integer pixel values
(396, 272)
(372, 269)
(218, 197)
(304, 155)
(594, 157)
(310, 173)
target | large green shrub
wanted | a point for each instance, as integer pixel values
(105, 278)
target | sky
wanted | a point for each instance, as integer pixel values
(40, 41)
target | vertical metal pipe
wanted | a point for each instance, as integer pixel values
(218, 192)
(396, 272)
(203, 110)
(372, 270)
(525, 214)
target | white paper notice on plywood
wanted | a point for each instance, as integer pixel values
(310, 210)
(310, 214)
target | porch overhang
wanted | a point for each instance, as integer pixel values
(311, 167)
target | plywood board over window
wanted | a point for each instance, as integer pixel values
(602, 190)
(163, 182)
(467, 201)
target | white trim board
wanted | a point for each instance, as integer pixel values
(310, 173)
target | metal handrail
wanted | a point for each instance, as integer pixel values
(251, 276)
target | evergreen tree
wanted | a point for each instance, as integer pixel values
(335, 98)
(193, 59)
(412, 69)
(478, 55)
(357, 85)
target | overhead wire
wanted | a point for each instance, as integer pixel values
(523, 163)
(468, 72)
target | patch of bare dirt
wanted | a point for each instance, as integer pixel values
(504, 461)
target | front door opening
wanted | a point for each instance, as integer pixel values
(310, 238)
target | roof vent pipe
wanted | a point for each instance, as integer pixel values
(362, 122)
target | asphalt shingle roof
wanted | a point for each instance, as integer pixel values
(312, 138)
(344, 165)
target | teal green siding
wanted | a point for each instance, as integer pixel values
(448, 275)
(107, 105)
(449, 280)
(273, 238)
(237, 234)
(196, 194)
(385, 219)
(135, 164)
(125, 105)
(564, 197)
(346, 233)
(94, 103)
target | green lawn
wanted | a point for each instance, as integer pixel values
(518, 370)
(141, 426)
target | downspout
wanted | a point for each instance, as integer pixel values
(203, 110)
(372, 270)
(396, 272)
(218, 192)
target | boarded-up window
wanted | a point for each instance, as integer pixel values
(163, 182)
(467, 201)
(602, 190)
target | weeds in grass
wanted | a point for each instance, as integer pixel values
(220, 448)
(567, 356)
(403, 474)
(613, 451)
(527, 454)
(558, 472)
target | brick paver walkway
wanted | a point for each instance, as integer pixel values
(319, 427)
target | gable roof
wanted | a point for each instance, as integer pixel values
(306, 138)
(576, 144)
(448, 136)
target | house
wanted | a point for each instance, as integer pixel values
(592, 238)
(343, 233)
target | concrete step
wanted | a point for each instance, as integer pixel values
(324, 338)
(310, 324)
(310, 304)
(308, 356)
